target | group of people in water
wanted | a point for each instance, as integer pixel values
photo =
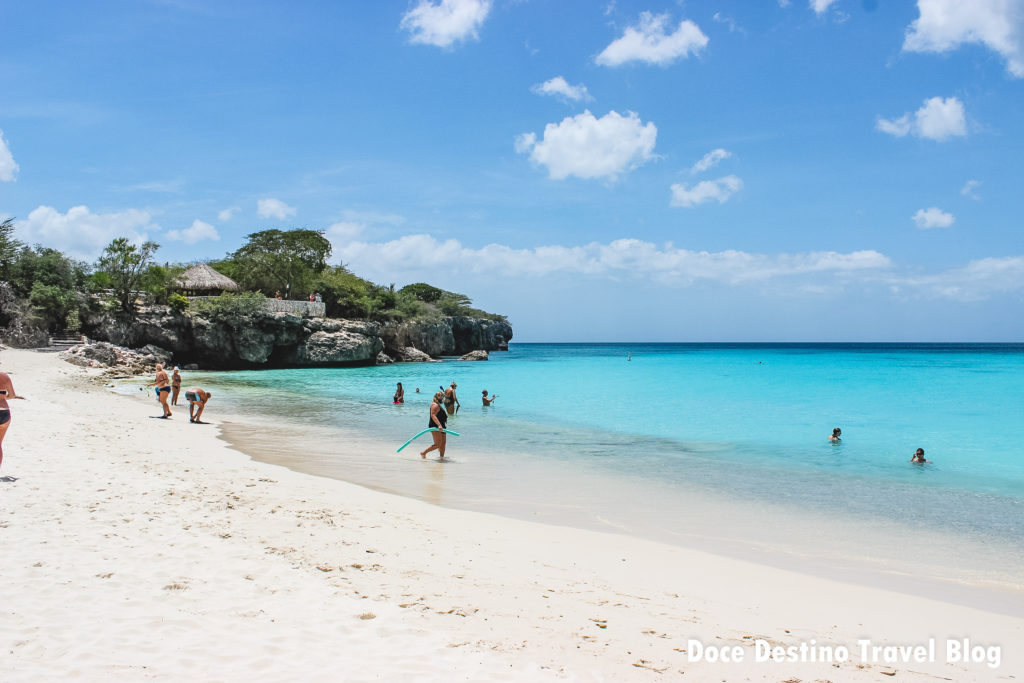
(169, 386)
(917, 458)
(444, 404)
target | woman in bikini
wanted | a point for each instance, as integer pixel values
(439, 419)
(6, 392)
(175, 386)
(163, 389)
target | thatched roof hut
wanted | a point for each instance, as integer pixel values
(204, 280)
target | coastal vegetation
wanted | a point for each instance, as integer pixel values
(43, 291)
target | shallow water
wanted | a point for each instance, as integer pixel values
(719, 446)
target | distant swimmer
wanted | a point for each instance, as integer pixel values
(918, 457)
(836, 433)
(197, 399)
(400, 394)
(629, 356)
(439, 420)
(489, 401)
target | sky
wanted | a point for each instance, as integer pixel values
(779, 170)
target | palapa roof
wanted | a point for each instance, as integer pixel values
(202, 277)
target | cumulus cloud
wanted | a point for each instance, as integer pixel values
(81, 233)
(196, 232)
(705, 191)
(344, 231)
(708, 160)
(944, 25)
(445, 23)
(649, 42)
(623, 258)
(938, 119)
(968, 190)
(228, 213)
(590, 147)
(274, 208)
(820, 6)
(933, 218)
(559, 87)
(8, 168)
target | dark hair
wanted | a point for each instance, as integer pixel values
(837, 430)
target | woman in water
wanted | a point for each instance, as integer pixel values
(918, 457)
(399, 394)
(451, 400)
(836, 433)
(6, 391)
(439, 420)
(163, 388)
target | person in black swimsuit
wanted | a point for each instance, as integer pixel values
(439, 420)
(6, 391)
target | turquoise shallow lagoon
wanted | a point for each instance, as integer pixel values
(722, 446)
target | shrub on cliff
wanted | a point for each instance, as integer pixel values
(286, 261)
(233, 310)
(126, 264)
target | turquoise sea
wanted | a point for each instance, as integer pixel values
(717, 446)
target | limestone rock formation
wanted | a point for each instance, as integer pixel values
(475, 355)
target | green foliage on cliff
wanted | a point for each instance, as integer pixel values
(126, 264)
(285, 261)
(233, 310)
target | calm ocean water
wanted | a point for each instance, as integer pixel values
(722, 445)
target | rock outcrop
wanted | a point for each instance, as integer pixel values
(475, 355)
(121, 359)
(268, 339)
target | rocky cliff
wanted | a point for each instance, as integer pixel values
(269, 339)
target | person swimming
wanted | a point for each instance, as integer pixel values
(918, 457)
(836, 434)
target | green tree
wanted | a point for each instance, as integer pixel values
(9, 248)
(125, 264)
(424, 292)
(344, 293)
(289, 261)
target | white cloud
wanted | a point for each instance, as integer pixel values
(819, 6)
(228, 213)
(8, 167)
(710, 159)
(938, 119)
(648, 42)
(623, 258)
(196, 232)
(977, 280)
(344, 231)
(559, 87)
(81, 233)
(968, 190)
(446, 22)
(933, 218)
(588, 147)
(274, 208)
(705, 191)
(944, 25)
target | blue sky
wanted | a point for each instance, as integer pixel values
(598, 171)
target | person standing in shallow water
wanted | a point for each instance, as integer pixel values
(163, 388)
(6, 391)
(399, 394)
(836, 434)
(918, 457)
(438, 420)
(451, 400)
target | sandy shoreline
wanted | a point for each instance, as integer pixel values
(138, 548)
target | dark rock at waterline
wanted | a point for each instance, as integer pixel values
(475, 355)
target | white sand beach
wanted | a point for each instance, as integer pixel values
(143, 549)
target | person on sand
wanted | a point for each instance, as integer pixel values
(451, 401)
(439, 419)
(489, 401)
(918, 457)
(197, 399)
(163, 388)
(175, 386)
(399, 394)
(6, 391)
(836, 434)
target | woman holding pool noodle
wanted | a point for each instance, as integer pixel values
(438, 420)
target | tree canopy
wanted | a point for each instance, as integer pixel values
(288, 261)
(125, 264)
